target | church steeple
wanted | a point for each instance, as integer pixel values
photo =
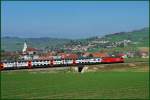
(24, 47)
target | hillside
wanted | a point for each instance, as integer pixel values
(138, 38)
(116, 41)
(15, 43)
(141, 36)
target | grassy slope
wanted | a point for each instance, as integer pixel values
(14, 43)
(141, 36)
(75, 85)
(136, 60)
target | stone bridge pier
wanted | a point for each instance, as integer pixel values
(80, 68)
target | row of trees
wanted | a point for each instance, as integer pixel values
(9, 55)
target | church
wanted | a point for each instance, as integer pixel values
(29, 53)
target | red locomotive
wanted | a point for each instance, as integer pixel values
(112, 60)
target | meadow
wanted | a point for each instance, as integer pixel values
(101, 85)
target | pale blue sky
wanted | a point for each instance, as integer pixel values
(72, 19)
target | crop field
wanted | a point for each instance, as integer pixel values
(102, 85)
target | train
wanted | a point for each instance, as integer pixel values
(58, 62)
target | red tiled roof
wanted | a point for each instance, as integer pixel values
(45, 58)
(31, 49)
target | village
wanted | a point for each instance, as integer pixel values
(74, 52)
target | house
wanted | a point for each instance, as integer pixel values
(25, 57)
(144, 54)
(28, 53)
(131, 54)
(45, 56)
(35, 56)
(68, 56)
(31, 51)
(28, 50)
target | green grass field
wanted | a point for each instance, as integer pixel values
(102, 85)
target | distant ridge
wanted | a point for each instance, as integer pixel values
(16, 43)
